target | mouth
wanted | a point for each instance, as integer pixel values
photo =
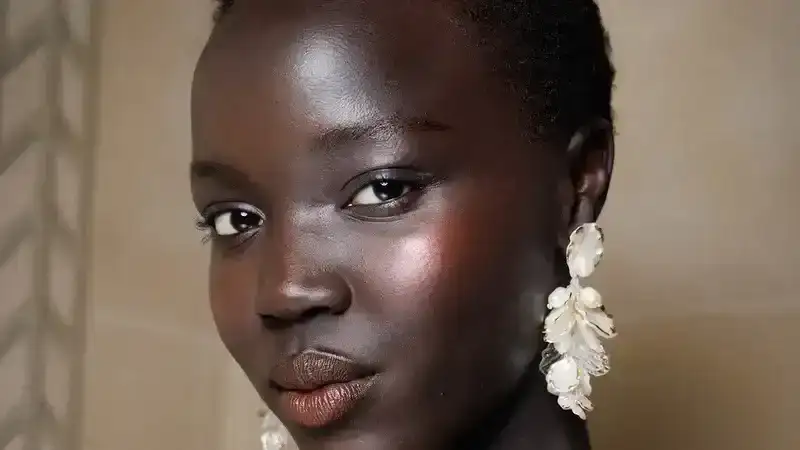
(316, 389)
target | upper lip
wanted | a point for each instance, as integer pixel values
(313, 369)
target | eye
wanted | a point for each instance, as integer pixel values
(227, 220)
(229, 223)
(381, 191)
(386, 194)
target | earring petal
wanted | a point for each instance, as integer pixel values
(585, 250)
(558, 298)
(590, 298)
(601, 322)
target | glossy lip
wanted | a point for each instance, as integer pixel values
(317, 388)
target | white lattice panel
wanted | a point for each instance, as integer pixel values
(47, 118)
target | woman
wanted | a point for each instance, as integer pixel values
(390, 188)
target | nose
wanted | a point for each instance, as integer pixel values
(299, 285)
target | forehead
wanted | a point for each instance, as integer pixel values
(287, 69)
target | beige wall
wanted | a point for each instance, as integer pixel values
(157, 377)
(701, 253)
(700, 244)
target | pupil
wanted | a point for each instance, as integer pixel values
(387, 190)
(243, 220)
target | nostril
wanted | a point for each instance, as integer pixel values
(310, 313)
(271, 322)
(287, 319)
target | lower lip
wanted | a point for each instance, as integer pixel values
(323, 406)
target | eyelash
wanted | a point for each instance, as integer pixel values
(204, 225)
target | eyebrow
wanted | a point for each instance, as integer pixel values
(340, 136)
(222, 173)
(327, 141)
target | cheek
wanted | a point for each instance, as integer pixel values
(448, 283)
(232, 287)
(409, 274)
(464, 286)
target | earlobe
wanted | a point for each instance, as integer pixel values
(590, 156)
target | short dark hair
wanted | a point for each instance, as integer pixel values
(555, 54)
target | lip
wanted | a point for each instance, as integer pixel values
(316, 388)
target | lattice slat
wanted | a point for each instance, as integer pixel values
(48, 327)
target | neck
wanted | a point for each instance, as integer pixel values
(528, 418)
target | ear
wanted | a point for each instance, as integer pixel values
(590, 156)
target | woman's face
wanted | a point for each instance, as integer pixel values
(385, 234)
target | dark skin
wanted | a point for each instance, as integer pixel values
(388, 206)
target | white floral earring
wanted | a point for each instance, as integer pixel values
(574, 326)
(274, 436)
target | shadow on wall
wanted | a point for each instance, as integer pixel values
(48, 94)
